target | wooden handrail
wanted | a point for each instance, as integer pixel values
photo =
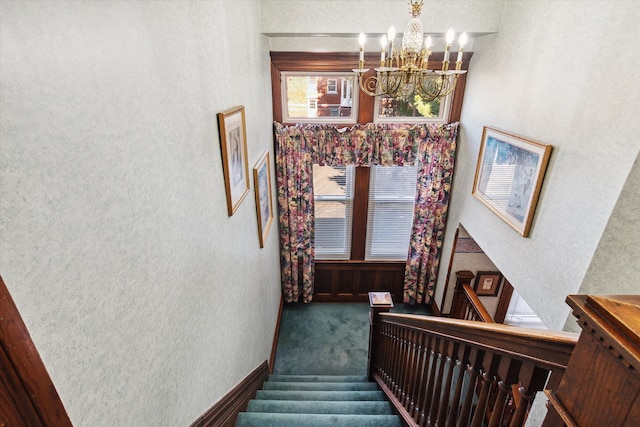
(466, 304)
(476, 309)
(449, 372)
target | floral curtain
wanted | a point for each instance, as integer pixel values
(295, 213)
(301, 146)
(435, 172)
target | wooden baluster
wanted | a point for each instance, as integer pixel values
(533, 379)
(418, 381)
(397, 363)
(491, 361)
(433, 369)
(383, 361)
(452, 359)
(412, 372)
(486, 383)
(508, 372)
(428, 380)
(395, 359)
(437, 390)
(461, 365)
(475, 365)
(404, 362)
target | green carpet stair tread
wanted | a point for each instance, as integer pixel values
(319, 378)
(320, 386)
(319, 395)
(259, 419)
(321, 407)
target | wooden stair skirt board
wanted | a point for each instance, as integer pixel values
(225, 411)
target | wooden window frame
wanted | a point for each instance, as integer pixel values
(354, 270)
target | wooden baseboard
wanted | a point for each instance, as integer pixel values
(225, 411)
(276, 335)
(434, 308)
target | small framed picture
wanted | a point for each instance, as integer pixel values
(264, 205)
(487, 283)
(509, 176)
(233, 141)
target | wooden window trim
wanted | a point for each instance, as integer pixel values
(345, 62)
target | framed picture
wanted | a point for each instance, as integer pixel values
(264, 206)
(509, 176)
(233, 139)
(487, 283)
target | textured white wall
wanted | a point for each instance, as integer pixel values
(334, 25)
(146, 301)
(544, 76)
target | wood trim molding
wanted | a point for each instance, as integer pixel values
(276, 336)
(23, 359)
(225, 411)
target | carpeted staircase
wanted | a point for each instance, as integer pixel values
(319, 400)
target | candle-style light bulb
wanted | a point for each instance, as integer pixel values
(463, 41)
(391, 34)
(450, 36)
(449, 39)
(428, 43)
(361, 39)
(383, 45)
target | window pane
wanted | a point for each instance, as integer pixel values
(392, 192)
(318, 97)
(333, 191)
(411, 109)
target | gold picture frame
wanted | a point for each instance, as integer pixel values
(509, 176)
(264, 204)
(233, 141)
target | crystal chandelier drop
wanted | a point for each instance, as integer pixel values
(404, 71)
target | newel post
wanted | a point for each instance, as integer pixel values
(379, 302)
(463, 277)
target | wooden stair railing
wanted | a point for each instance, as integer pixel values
(450, 372)
(466, 304)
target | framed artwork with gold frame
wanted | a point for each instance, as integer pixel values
(262, 188)
(509, 176)
(233, 141)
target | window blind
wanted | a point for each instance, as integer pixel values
(392, 192)
(333, 199)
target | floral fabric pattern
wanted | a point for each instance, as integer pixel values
(299, 147)
(437, 155)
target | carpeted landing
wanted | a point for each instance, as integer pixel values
(320, 371)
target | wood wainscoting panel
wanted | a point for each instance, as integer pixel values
(351, 281)
(225, 411)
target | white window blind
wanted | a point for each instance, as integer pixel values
(333, 198)
(392, 191)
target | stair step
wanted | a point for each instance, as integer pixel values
(319, 378)
(319, 395)
(259, 419)
(320, 386)
(322, 407)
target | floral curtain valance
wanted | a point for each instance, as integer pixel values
(432, 146)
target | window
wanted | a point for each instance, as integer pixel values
(392, 191)
(313, 97)
(389, 220)
(333, 198)
(412, 109)
(362, 214)
(332, 86)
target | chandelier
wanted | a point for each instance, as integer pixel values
(404, 71)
